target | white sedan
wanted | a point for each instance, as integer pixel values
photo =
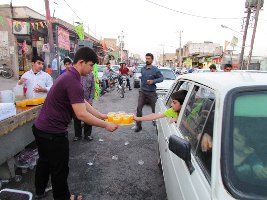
(169, 78)
(217, 148)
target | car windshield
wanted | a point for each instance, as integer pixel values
(101, 68)
(167, 74)
(139, 69)
(115, 67)
(248, 145)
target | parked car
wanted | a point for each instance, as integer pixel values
(100, 71)
(201, 70)
(183, 71)
(115, 68)
(178, 70)
(169, 78)
(251, 71)
(217, 148)
(136, 76)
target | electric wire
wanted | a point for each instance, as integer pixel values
(78, 17)
(189, 14)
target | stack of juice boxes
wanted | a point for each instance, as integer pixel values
(121, 118)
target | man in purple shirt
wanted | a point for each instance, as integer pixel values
(64, 99)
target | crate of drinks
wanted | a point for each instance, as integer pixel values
(32, 113)
(121, 118)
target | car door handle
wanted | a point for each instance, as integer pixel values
(166, 140)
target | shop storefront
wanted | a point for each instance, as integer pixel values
(30, 45)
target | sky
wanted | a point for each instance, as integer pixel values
(148, 27)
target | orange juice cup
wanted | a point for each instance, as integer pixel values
(42, 100)
(23, 104)
(121, 113)
(110, 116)
(126, 119)
(131, 116)
(117, 119)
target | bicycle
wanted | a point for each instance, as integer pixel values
(5, 71)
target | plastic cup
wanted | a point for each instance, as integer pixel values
(126, 119)
(110, 116)
(131, 116)
(21, 104)
(42, 100)
(117, 119)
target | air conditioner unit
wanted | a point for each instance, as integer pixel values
(19, 29)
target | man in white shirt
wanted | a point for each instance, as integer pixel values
(37, 82)
(55, 67)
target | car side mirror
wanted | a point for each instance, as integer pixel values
(182, 149)
(140, 77)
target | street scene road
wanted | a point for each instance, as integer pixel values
(179, 131)
(119, 165)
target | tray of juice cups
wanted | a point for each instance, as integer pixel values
(120, 118)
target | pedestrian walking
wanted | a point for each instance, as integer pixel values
(147, 94)
(65, 99)
(37, 82)
(88, 83)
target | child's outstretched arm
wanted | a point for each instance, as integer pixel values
(150, 117)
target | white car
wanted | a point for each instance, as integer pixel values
(136, 77)
(217, 149)
(100, 71)
(183, 71)
(169, 78)
(201, 70)
(115, 68)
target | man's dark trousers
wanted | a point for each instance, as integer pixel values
(78, 128)
(145, 97)
(53, 160)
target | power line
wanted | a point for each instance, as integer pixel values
(72, 10)
(189, 14)
(78, 17)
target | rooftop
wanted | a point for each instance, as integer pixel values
(225, 81)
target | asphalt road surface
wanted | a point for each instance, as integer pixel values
(120, 165)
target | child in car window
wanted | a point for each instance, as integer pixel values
(173, 112)
(246, 162)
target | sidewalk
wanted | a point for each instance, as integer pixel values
(7, 84)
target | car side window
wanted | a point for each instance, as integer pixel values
(181, 85)
(197, 124)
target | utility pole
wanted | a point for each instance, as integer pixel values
(180, 49)
(241, 57)
(121, 37)
(163, 57)
(254, 31)
(50, 31)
